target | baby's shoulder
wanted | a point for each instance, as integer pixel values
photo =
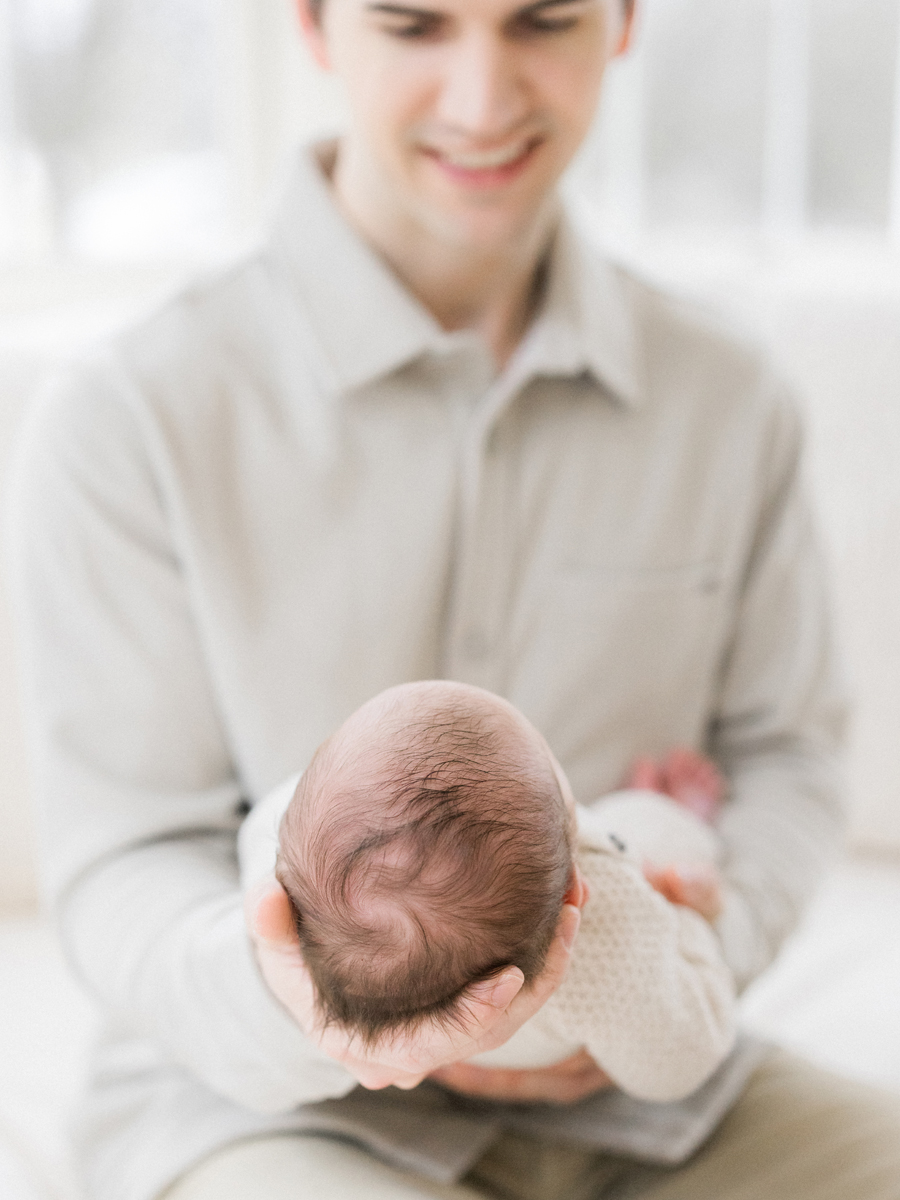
(597, 838)
(258, 834)
(608, 866)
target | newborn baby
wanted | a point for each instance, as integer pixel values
(433, 840)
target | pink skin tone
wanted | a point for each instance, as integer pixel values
(693, 781)
(463, 116)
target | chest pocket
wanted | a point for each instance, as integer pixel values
(616, 662)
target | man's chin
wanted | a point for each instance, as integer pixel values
(482, 224)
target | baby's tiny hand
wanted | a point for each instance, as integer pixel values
(687, 776)
(699, 888)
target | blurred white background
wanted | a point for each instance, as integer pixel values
(747, 151)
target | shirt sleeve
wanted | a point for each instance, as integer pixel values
(779, 722)
(138, 796)
(647, 993)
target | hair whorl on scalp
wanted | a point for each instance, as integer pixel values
(431, 860)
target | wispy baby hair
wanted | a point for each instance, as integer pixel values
(427, 846)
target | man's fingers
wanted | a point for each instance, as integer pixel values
(374, 1078)
(408, 1082)
(560, 953)
(563, 1083)
(480, 1081)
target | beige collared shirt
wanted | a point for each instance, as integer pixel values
(288, 490)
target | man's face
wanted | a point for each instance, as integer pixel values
(466, 112)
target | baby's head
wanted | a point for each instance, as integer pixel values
(427, 846)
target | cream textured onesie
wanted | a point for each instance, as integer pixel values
(648, 993)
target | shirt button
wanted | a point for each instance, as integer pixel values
(475, 644)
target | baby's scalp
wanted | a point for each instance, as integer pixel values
(427, 846)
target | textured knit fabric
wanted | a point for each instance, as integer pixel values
(288, 489)
(647, 993)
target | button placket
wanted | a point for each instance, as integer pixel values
(481, 566)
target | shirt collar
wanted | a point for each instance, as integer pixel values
(585, 324)
(367, 324)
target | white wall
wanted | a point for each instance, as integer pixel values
(829, 314)
(16, 841)
(844, 355)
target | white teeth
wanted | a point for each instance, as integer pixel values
(487, 159)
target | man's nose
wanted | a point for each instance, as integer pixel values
(483, 93)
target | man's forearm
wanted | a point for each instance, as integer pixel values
(781, 830)
(175, 962)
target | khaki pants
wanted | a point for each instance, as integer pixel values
(798, 1133)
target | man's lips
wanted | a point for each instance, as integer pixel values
(485, 168)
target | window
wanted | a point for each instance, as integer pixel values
(149, 132)
(755, 117)
(112, 143)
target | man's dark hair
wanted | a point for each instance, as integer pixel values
(317, 5)
(447, 859)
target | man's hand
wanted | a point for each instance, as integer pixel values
(563, 1083)
(489, 1013)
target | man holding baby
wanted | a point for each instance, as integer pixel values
(426, 431)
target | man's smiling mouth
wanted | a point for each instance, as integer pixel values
(486, 160)
(493, 166)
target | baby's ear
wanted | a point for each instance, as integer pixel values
(270, 916)
(579, 892)
(488, 995)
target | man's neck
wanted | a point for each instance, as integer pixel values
(494, 291)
